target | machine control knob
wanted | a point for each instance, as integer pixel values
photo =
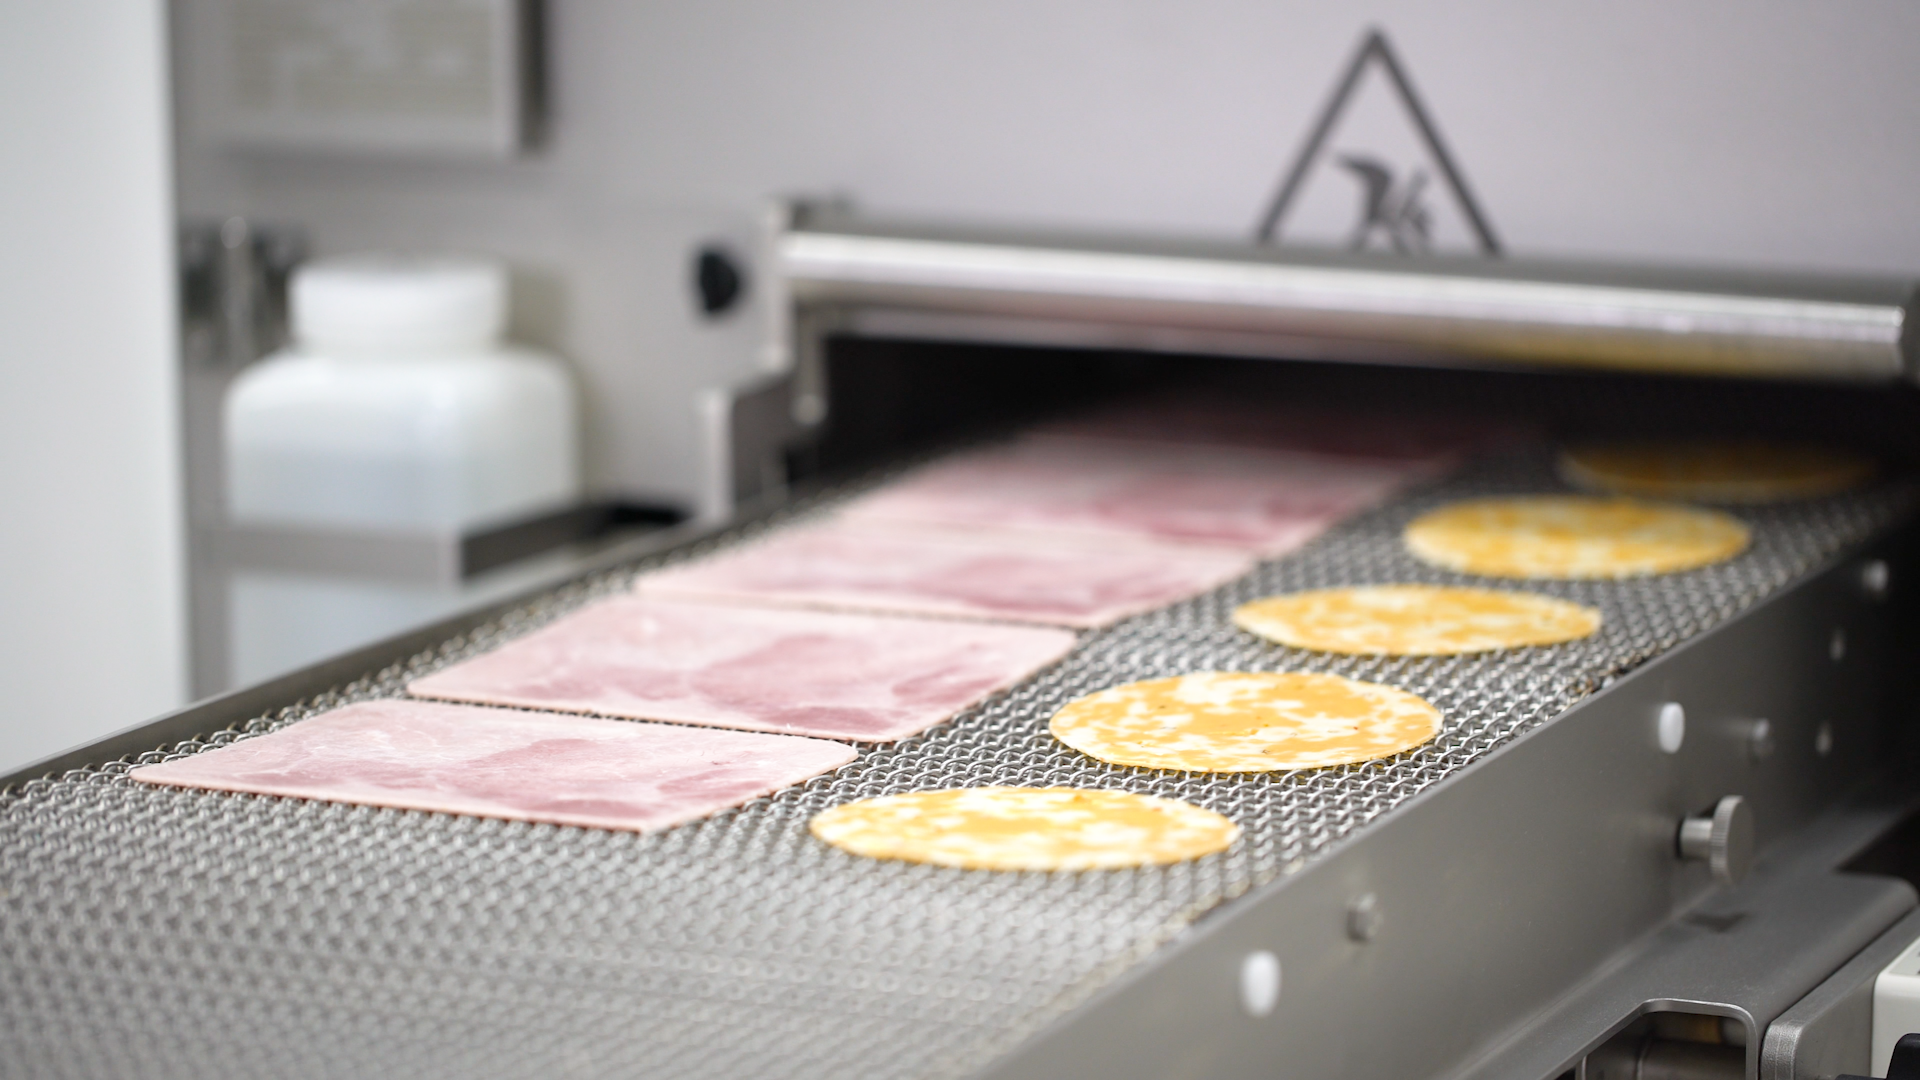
(1905, 1063)
(1723, 839)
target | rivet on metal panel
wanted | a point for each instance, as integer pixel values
(1670, 727)
(1259, 983)
(1875, 577)
(1759, 739)
(1363, 917)
(809, 409)
(1823, 740)
(1837, 644)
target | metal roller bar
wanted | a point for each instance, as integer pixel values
(1265, 301)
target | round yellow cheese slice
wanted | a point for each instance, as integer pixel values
(1237, 721)
(1013, 828)
(1573, 536)
(1415, 620)
(1722, 472)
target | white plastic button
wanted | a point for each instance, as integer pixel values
(1259, 983)
(1672, 727)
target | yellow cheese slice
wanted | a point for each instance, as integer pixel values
(1237, 721)
(1415, 620)
(1721, 472)
(1013, 828)
(1573, 536)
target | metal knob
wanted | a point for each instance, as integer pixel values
(1904, 1064)
(1723, 840)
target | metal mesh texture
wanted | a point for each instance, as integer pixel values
(159, 932)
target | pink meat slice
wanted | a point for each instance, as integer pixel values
(1263, 501)
(984, 573)
(867, 678)
(457, 759)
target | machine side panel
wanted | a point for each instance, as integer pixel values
(1502, 891)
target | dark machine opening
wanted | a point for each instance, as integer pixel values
(1670, 1045)
(889, 396)
(1895, 854)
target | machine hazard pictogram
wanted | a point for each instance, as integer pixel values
(1374, 172)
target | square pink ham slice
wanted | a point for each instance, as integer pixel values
(457, 759)
(981, 573)
(861, 677)
(1263, 501)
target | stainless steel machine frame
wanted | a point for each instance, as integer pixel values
(1510, 922)
(1578, 821)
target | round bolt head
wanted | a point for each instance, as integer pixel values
(1823, 740)
(1259, 983)
(1363, 918)
(1875, 577)
(718, 279)
(1760, 740)
(1837, 645)
(809, 409)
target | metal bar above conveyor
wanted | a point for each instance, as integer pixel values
(1245, 299)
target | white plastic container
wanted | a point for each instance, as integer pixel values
(398, 409)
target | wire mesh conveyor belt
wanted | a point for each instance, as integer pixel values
(159, 932)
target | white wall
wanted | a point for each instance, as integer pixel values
(91, 568)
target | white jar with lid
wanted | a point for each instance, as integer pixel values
(397, 409)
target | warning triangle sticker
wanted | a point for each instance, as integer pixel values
(1374, 174)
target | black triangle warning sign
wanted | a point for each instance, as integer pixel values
(1374, 173)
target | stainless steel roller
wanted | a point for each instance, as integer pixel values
(1243, 299)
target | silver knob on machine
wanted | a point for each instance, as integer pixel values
(1722, 839)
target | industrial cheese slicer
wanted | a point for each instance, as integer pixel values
(1682, 847)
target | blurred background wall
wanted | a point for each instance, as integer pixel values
(92, 598)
